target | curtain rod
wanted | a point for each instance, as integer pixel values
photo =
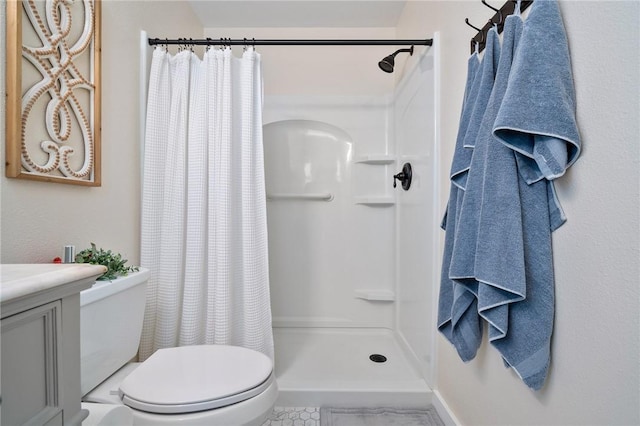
(255, 42)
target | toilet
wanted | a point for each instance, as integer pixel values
(217, 385)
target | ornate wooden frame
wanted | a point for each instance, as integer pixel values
(53, 125)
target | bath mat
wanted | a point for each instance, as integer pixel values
(379, 417)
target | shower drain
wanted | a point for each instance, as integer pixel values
(377, 358)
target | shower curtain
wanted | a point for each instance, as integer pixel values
(204, 227)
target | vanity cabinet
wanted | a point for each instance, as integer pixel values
(40, 343)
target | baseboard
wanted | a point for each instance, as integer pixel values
(445, 413)
(292, 397)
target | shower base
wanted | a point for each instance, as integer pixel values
(331, 367)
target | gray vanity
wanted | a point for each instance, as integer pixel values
(40, 343)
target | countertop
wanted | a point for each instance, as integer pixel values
(20, 280)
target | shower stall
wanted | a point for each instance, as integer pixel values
(353, 260)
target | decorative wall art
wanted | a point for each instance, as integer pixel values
(53, 91)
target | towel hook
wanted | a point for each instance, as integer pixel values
(495, 10)
(489, 6)
(466, 20)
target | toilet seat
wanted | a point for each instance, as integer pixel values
(196, 378)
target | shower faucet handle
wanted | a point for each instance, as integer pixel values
(404, 177)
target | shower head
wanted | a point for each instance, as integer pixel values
(388, 62)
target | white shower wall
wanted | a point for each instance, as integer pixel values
(368, 257)
(325, 254)
(417, 211)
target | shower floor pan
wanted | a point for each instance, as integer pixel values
(331, 367)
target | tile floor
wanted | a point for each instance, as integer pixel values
(294, 416)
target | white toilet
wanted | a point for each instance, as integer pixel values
(188, 385)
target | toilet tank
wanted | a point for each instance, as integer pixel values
(111, 315)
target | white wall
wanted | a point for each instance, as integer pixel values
(415, 118)
(38, 219)
(594, 375)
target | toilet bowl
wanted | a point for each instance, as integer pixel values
(189, 385)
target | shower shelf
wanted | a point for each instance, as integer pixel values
(379, 159)
(323, 196)
(375, 295)
(376, 200)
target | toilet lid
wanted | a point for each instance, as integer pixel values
(196, 378)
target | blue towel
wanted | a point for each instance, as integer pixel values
(489, 247)
(462, 157)
(537, 120)
(458, 316)
(504, 207)
(538, 116)
(490, 63)
(526, 347)
(499, 263)
(513, 258)
(460, 164)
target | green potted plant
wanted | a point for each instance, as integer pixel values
(113, 261)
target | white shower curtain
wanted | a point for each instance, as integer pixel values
(204, 227)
